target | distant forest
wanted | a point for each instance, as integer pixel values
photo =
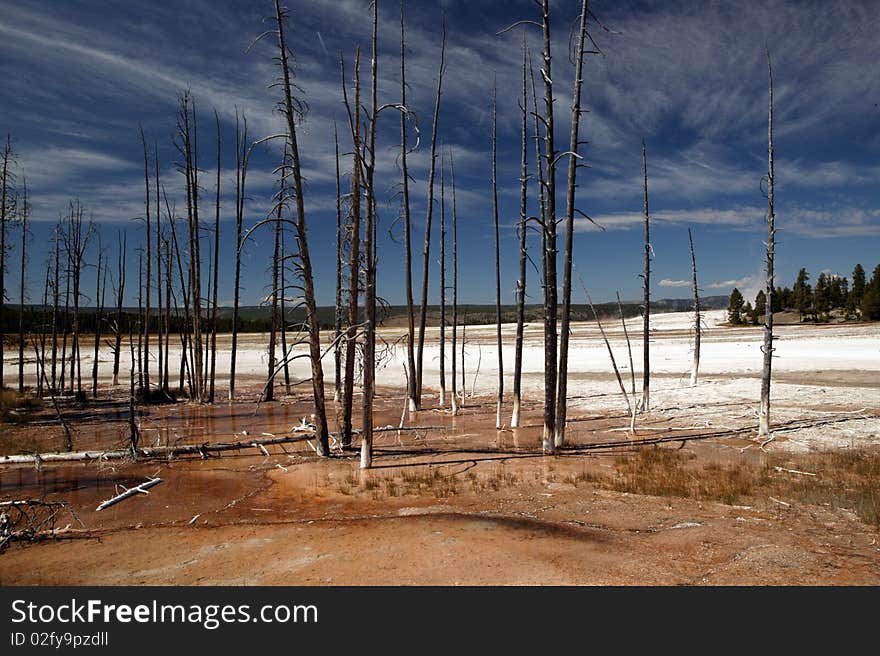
(832, 298)
(257, 319)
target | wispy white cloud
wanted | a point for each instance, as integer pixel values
(666, 282)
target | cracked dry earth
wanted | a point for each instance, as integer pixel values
(458, 505)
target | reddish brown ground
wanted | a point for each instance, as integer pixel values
(463, 505)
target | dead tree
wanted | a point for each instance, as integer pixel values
(140, 325)
(145, 374)
(426, 253)
(454, 285)
(41, 357)
(463, 340)
(242, 155)
(161, 357)
(632, 371)
(100, 294)
(24, 213)
(646, 310)
(767, 348)
(76, 241)
(573, 157)
(56, 238)
(500, 398)
(273, 296)
(354, 249)
(407, 229)
(337, 311)
(65, 326)
(186, 366)
(549, 243)
(133, 432)
(187, 132)
(370, 259)
(539, 166)
(629, 406)
(697, 318)
(291, 111)
(523, 254)
(442, 281)
(282, 315)
(213, 372)
(7, 213)
(167, 245)
(120, 297)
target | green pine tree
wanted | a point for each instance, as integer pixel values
(735, 307)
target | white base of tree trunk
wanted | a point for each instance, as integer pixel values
(366, 454)
(514, 418)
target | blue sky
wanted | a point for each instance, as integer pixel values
(688, 77)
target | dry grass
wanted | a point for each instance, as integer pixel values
(662, 473)
(16, 408)
(844, 479)
(431, 481)
(848, 479)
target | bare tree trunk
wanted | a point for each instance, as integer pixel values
(697, 318)
(337, 312)
(407, 228)
(216, 271)
(41, 369)
(454, 285)
(140, 325)
(646, 331)
(632, 371)
(100, 291)
(163, 384)
(370, 257)
(188, 133)
(273, 325)
(549, 245)
(65, 329)
(290, 112)
(539, 166)
(133, 433)
(463, 340)
(523, 255)
(500, 398)
(55, 296)
(41, 358)
(145, 380)
(76, 242)
(6, 213)
(764, 426)
(206, 362)
(354, 251)
(120, 296)
(574, 143)
(186, 361)
(426, 254)
(610, 352)
(282, 318)
(165, 379)
(241, 162)
(24, 212)
(442, 281)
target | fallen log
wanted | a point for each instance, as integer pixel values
(130, 492)
(179, 450)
